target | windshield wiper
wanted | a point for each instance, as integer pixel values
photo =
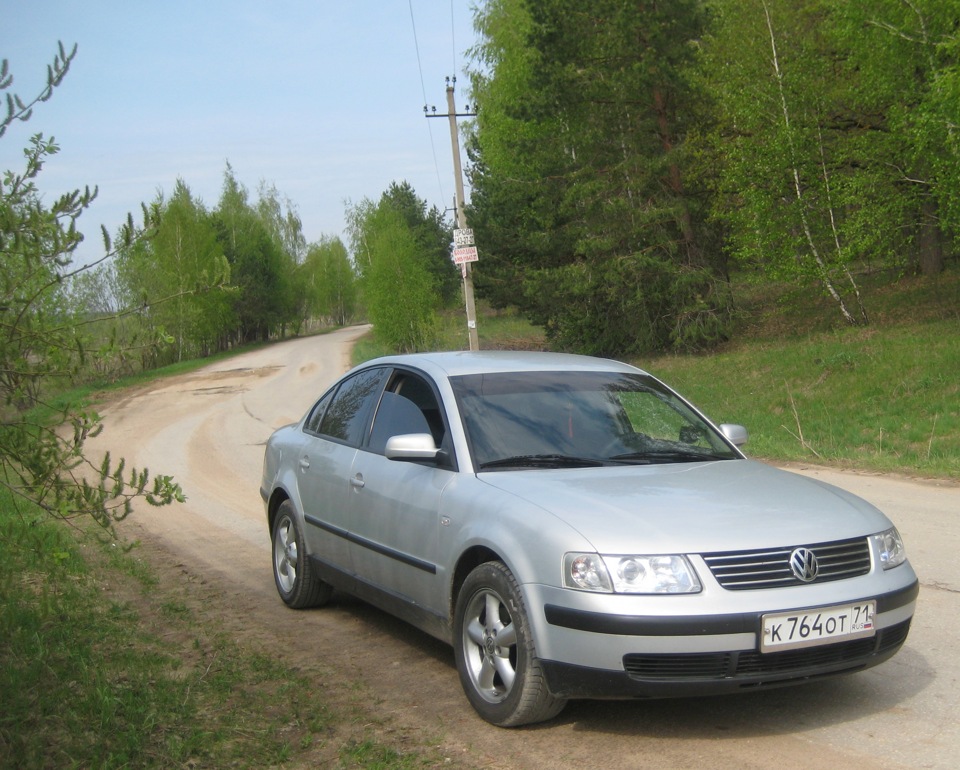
(542, 461)
(666, 456)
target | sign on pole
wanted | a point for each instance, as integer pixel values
(465, 254)
(463, 237)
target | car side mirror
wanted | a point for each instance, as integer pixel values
(411, 446)
(735, 434)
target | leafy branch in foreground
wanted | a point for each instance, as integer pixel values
(45, 460)
(17, 109)
(49, 467)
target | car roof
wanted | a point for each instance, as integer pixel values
(454, 363)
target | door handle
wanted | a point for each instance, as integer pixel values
(304, 463)
(357, 482)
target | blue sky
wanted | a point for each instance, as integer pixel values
(320, 98)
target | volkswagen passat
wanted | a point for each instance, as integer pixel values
(576, 529)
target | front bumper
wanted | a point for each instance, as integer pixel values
(606, 655)
(677, 675)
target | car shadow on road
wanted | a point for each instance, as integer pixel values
(382, 629)
(823, 703)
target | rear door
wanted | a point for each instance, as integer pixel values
(335, 429)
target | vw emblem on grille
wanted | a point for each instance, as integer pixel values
(803, 564)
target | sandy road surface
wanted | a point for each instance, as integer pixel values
(208, 429)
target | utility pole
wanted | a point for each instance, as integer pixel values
(462, 231)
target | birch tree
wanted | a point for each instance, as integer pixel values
(399, 290)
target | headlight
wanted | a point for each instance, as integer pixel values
(629, 574)
(890, 547)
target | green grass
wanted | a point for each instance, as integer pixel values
(882, 397)
(102, 665)
(886, 400)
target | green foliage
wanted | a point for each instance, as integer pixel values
(176, 278)
(832, 138)
(803, 139)
(785, 179)
(635, 304)
(433, 236)
(397, 270)
(257, 241)
(581, 201)
(279, 216)
(909, 50)
(48, 467)
(328, 282)
(42, 346)
(210, 280)
(102, 667)
(17, 109)
(263, 300)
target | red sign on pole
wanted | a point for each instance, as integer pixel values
(465, 254)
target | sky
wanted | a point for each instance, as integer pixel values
(322, 99)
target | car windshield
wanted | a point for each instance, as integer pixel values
(518, 420)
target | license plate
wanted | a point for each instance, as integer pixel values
(808, 628)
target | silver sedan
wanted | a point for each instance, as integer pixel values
(576, 529)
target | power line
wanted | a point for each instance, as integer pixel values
(462, 232)
(423, 89)
(462, 235)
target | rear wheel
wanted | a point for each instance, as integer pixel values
(495, 651)
(297, 584)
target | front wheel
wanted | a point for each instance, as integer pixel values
(297, 584)
(495, 652)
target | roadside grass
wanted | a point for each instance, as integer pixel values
(884, 400)
(103, 665)
(882, 397)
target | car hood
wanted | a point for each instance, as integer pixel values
(693, 507)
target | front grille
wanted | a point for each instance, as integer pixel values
(750, 664)
(770, 568)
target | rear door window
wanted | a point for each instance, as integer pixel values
(348, 415)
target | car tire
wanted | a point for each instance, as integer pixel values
(495, 651)
(297, 583)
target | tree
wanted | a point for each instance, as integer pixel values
(182, 270)
(781, 195)
(433, 236)
(282, 222)
(279, 215)
(329, 281)
(42, 346)
(519, 159)
(833, 138)
(117, 339)
(905, 52)
(398, 287)
(581, 204)
(260, 268)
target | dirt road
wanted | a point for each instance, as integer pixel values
(208, 429)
